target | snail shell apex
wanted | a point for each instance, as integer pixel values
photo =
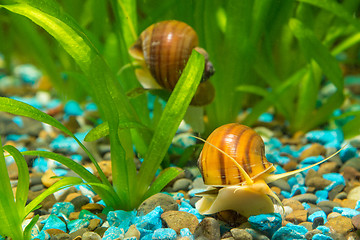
(241, 143)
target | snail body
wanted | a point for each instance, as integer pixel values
(163, 49)
(234, 166)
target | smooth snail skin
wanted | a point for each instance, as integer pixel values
(234, 165)
(164, 49)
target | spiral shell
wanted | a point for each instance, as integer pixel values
(165, 47)
(242, 144)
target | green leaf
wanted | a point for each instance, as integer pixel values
(313, 49)
(9, 215)
(162, 180)
(63, 183)
(336, 9)
(110, 199)
(28, 228)
(22, 189)
(352, 128)
(102, 129)
(170, 119)
(19, 108)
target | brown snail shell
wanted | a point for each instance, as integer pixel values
(165, 47)
(234, 165)
(242, 144)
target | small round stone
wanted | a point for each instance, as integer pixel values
(240, 234)
(182, 184)
(342, 225)
(91, 236)
(208, 228)
(165, 201)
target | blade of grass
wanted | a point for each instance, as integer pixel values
(22, 189)
(9, 215)
(19, 108)
(110, 199)
(162, 180)
(170, 119)
(63, 183)
(28, 228)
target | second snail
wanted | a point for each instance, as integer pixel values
(163, 50)
(234, 166)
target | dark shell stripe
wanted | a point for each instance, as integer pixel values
(249, 142)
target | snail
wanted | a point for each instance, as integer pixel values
(163, 50)
(233, 164)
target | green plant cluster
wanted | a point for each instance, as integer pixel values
(282, 51)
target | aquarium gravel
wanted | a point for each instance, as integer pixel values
(313, 209)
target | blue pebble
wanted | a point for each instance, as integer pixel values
(43, 235)
(18, 120)
(16, 137)
(185, 232)
(76, 157)
(315, 168)
(266, 117)
(91, 107)
(275, 157)
(322, 195)
(300, 229)
(28, 73)
(53, 222)
(40, 165)
(287, 149)
(325, 136)
(73, 108)
(266, 223)
(31, 101)
(306, 205)
(53, 103)
(286, 194)
(292, 181)
(85, 214)
(65, 143)
(357, 207)
(150, 221)
(120, 218)
(60, 172)
(130, 238)
(348, 153)
(312, 160)
(63, 207)
(323, 229)
(286, 233)
(113, 233)
(316, 215)
(164, 234)
(185, 206)
(298, 188)
(279, 169)
(336, 178)
(320, 236)
(346, 212)
(274, 143)
(77, 224)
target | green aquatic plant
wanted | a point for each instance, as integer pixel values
(126, 126)
(13, 208)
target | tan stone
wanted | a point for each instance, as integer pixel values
(297, 216)
(342, 225)
(47, 179)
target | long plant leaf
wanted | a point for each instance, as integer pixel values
(9, 215)
(22, 189)
(110, 199)
(170, 119)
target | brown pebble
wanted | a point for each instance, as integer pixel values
(178, 220)
(74, 215)
(105, 167)
(93, 207)
(297, 216)
(71, 196)
(132, 232)
(341, 224)
(307, 225)
(348, 203)
(333, 215)
(356, 221)
(276, 190)
(318, 183)
(12, 171)
(291, 165)
(54, 231)
(96, 198)
(294, 204)
(328, 167)
(93, 223)
(208, 228)
(315, 149)
(47, 179)
(350, 173)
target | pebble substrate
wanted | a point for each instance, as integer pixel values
(321, 203)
